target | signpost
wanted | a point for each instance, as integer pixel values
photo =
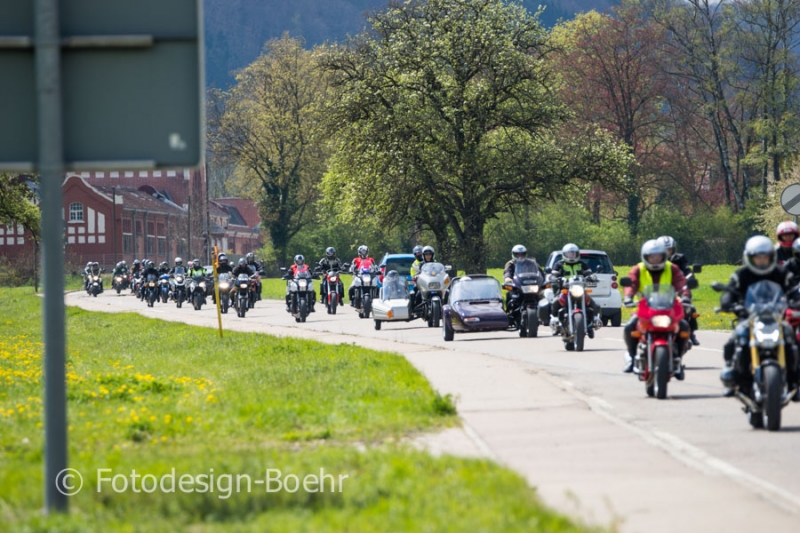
(790, 199)
(101, 84)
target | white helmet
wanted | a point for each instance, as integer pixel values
(759, 245)
(362, 251)
(654, 247)
(570, 253)
(518, 252)
(669, 242)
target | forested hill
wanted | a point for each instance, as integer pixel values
(236, 30)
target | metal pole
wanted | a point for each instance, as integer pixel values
(114, 217)
(51, 168)
(208, 217)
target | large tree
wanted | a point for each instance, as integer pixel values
(268, 126)
(447, 114)
(17, 204)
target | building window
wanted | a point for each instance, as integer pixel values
(150, 242)
(162, 246)
(127, 243)
(75, 212)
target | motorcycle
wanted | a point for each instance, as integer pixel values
(150, 289)
(179, 286)
(253, 294)
(163, 287)
(300, 289)
(225, 284)
(136, 284)
(658, 357)
(94, 285)
(526, 290)
(432, 284)
(762, 319)
(365, 284)
(241, 296)
(120, 282)
(333, 289)
(197, 292)
(572, 321)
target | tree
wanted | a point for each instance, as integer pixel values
(268, 125)
(17, 204)
(447, 114)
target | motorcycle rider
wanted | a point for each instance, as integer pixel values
(570, 265)
(178, 263)
(121, 269)
(654, 269)
(417, 251)
(222, 264)
(195, 270)
(760, 263)
(509, 270)
(136, 268)
(299, 261)
(164, 268)
(150, 269)
(683, 263)
(329, 262)
(256, 267)
(786, 233)
(428, 254)
(355, 267)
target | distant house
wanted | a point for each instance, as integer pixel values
(238, 231)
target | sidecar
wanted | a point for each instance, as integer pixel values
(393, 303)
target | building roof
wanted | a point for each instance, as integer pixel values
(247, 209)
(136, 199)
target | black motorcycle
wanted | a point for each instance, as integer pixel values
(197, 291)
(242, 295)
(150, 289)
(120, 282)
(525, 291)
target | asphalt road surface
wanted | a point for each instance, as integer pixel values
(582, 432)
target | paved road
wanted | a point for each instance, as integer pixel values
(574, 425)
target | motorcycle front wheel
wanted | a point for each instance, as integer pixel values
(532, 323)
(367, 305)
(436, 311)
(303, 310)
(773, 386)
(661, 357)
(580, 331)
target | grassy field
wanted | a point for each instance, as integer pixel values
(150, 396)
(705, 299)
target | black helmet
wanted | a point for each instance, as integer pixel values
(250, 257)
(150, 264)
(330, 252)
(418, 252)
(223, 259)
(242, 261)
(135, 262)
(164, 264)
(299, 259)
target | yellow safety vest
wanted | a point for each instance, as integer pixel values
(645, 278)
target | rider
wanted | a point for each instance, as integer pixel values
(195, 270)
(654, 269)
(299, 263)
(428, 254)
(786, 234)
(327, 263)
(417, 251)
(256, 267)
(570, 265)
(222, 264)
(355, 267)
(517, 252)
(178, 263)
(683, 263)
(242, 268)
(150, 269)
(164, 268)
(760, 263)
(120, 270)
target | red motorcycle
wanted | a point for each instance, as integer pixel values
(333, 287)
(658, 358)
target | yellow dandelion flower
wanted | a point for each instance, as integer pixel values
(189, 419)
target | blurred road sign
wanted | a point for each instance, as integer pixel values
(790, 199)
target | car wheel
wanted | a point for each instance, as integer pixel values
(616, 318)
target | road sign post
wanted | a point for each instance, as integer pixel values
(97, 85)
(790, 199)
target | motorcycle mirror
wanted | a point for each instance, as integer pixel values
(717, 286)
(282, 269)
(692, 283)
(548, 270)
(448, 268)
(625, 282)
(697, 269)
(507, 287)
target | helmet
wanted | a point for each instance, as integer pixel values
(123, 263)
(796, 248)
(759, 245)
(299, 259)
(222, 259)
(786, 227)
(88, 264)
(135, 262)
(571, 253)
(178, 261)
(196, 263)
(119, 264)
(242, 261)
(362, 251)
(250, 257)
(518, 252)
(330, 252)
(164, 264)
(95, 265)
(418, 252)
(428, 250)
(669, 243)
(150, 264)
(651, 248)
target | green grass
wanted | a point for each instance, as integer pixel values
(151, 396)
(704, 298)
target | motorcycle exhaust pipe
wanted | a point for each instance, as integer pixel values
(748, 402)
(788, 398)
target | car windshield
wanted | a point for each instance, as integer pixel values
(660, 296)
(401, 264)
(432, 269)
(394, 287)
(467, 289)
(527, 269)
(765, 296)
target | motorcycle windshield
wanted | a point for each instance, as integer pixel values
(243, 277)
(470, 289)
(661, 297)
(152, 277)
(432, 269)
(765, 296)
(527, 271)
(180, 271)
(224, 277)
(304, 274)
(394, 288)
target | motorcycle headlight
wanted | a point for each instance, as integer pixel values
(434, 285)
(203, 284)
(302, 283)
(243, 285)
(767, 335)
(333, 279)
(576, 291)
(366, 279)
(530, 289)
(118, 279)
(662, 321)
(179, 279)
(224, 286)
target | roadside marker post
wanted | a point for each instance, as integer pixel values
(214, 264)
